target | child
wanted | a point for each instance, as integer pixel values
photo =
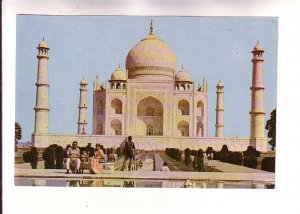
(165, 167)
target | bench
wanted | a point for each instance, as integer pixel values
(84, 164)
(110, 166)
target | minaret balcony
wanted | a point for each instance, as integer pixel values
(42, 84)
(41, 56)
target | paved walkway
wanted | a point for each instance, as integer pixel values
(25, 171)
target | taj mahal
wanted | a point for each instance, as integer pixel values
(158, 105)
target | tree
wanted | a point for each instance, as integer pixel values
(18, 134)
(271, 128)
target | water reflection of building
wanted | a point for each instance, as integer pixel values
(85, 183)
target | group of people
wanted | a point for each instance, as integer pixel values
(95, 158)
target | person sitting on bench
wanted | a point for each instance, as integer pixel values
(96, 162)
(73, 154)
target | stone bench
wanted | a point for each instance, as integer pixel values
(110, 166)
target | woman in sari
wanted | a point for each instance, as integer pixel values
(95, 162)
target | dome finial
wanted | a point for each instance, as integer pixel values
(43, 39)
(119, 66)
(151, 27)
(181, 66)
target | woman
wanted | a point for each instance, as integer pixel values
(95, 162)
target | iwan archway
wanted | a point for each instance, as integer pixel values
(150, 117)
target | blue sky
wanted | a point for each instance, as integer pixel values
(218, 48)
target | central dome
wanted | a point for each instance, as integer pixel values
(151, 58)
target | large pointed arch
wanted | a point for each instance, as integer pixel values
(150, 114)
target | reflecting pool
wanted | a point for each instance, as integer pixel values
(138, 183)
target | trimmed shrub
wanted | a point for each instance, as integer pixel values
(33, 157)
(49, 157)
(173, 153)
(250, 161)
(216, 155)
(224, 156)
(194, 153)
(178, 155)
(187, 157)
(251, 151)
(200, 164)
(236, 158)
(195, 163)
(224, 148)
(200, 153)
(200, 161)
(59, 157)
(268, 164)
(26, 157)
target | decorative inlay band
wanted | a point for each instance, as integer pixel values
(256, 112)
(256, 88)
(41, 108)
(42, 56)
(42, 84)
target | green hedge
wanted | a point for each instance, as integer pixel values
(32, 157)
(250, 161)
(268, 164)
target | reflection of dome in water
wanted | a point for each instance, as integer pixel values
(151, 57)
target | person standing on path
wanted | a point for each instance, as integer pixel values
(129, 153)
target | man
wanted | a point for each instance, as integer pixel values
(129, 153)
(73, 154)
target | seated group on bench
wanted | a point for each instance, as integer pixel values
(95, 159)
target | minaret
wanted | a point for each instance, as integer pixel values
(41, 108)
(82, 108)
(257, 113)
(220, 111)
